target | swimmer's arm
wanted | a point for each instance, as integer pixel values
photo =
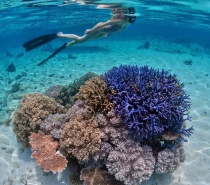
(102, 24)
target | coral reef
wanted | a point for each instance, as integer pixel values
(96, 176)
(131, 163)
(80, 138)
(11, 68)
(44, 152)
(66, 94)
(53, 125)
(150, 101)
(74, 176)
(94, 93)
(169, 160)
(33, 108)
(54, 91)
(119, 128)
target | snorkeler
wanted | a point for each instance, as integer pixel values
(118, 22)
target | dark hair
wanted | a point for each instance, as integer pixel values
(131, 18)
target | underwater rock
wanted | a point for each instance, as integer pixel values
(8, 54)
(19, 55)
(15, 87)
(146, 45)
(70, 56)
(11, 68)
(20, 75)
(188, 62)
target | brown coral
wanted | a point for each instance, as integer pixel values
(96, 176)
(80, 138)
(44, 152)
(94, 93)
(32, 110)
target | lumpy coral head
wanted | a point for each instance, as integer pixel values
(150, 101)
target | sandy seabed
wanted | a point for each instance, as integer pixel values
(16, 165)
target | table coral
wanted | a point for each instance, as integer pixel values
(44, 152)
(33, 109)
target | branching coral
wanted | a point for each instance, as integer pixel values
(44, 152)
(131, 163)
(53, 124)
(168, 160)
(33, 109)
(66, 94)
(96, 176)
(78, 110)
(80, 138)
(150, 101)
(54, 91)
(94, 93)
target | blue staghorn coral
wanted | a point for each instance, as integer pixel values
(150, 101)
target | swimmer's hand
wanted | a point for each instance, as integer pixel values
(59, 34)
(88, 31)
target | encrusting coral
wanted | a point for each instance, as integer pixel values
(44, 152)
(33, 109)
(94, 93)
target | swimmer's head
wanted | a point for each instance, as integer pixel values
(130, 18)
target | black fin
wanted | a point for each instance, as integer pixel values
(38, 41)
(53, 54)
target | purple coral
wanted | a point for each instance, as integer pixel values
(53, 125)
(169, 160)
(131, 163)
(150, 101)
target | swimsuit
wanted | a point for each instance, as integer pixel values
(112, 28)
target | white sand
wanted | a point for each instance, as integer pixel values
(18, 168)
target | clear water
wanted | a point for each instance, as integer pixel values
(178, 31)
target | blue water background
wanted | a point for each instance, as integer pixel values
(23, 22)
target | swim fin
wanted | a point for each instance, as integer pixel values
(38, 41)
(53, 54)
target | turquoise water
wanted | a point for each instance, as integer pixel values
(170, 35)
